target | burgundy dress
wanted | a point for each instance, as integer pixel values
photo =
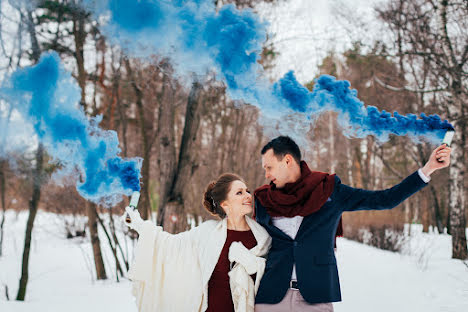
(219, 291)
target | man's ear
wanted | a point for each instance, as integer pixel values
(288, 159)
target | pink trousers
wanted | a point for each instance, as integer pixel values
(293, 302)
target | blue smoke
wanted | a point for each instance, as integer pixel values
(354, 117)
(199, 39)
(47, 97)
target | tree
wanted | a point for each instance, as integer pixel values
(432, 35)
(172, 215)
(38, 175)
(2, 201)
(70, 20)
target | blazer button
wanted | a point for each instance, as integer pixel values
(295, 244)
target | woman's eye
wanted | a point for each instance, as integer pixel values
(239, 193)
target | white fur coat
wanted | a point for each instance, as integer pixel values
(171, 272)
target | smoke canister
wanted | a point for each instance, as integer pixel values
(133, 203)
(447, 139)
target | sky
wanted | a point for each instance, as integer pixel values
(304, 31)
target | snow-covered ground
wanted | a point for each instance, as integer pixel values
(423, 278)
(60, 277)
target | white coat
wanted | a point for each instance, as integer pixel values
(171, 272)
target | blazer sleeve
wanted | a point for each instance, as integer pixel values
(353, 199)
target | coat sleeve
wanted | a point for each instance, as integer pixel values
(166, 271)
(353, 199)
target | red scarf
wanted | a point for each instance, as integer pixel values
(301, 198)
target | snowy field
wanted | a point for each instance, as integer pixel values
(422, 278)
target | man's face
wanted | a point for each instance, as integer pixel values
(277, 171)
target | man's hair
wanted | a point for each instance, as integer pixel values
(281, 146)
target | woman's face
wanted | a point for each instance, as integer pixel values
(238, 201)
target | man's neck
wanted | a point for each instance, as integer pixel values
(295, 174)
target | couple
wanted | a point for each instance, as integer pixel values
(283, 261)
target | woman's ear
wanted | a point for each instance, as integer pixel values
(224, 206)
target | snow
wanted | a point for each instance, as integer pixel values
(421, 278)
(59, 273)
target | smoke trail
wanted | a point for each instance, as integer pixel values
(229, 42)
(46, 97)
(355, 119)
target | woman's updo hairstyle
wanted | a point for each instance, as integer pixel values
(217, 191)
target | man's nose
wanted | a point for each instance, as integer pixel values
(267, 176)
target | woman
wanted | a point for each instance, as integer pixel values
(216, 266)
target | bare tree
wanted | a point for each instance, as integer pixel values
(173, 215)
(38, 174)
(2, 201)
(433, 33)
(148, 135)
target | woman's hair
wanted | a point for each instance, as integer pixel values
(217, 191)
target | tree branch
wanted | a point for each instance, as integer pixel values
(406, 88)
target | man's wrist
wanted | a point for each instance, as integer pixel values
(426, 173)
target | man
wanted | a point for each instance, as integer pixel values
(301, 210)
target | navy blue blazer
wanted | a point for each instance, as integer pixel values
(313, 248)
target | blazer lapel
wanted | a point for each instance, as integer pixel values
(265, 219)
(261, 235)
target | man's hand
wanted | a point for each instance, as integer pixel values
(440, 158)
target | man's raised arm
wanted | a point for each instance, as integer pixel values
(353, 199)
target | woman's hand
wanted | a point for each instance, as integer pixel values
(135, 219)
(240, 254)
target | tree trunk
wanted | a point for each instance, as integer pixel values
(33, 205)
(437, 210)
(425, 213)
(79, 36)
(95, 242)
(144, 204)
(37, 178)
(122, 115)
(457, 172)
(457, 202)
(2, 201)
(331, 151)
(118, 267)
(167, 149)
(175, 216)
